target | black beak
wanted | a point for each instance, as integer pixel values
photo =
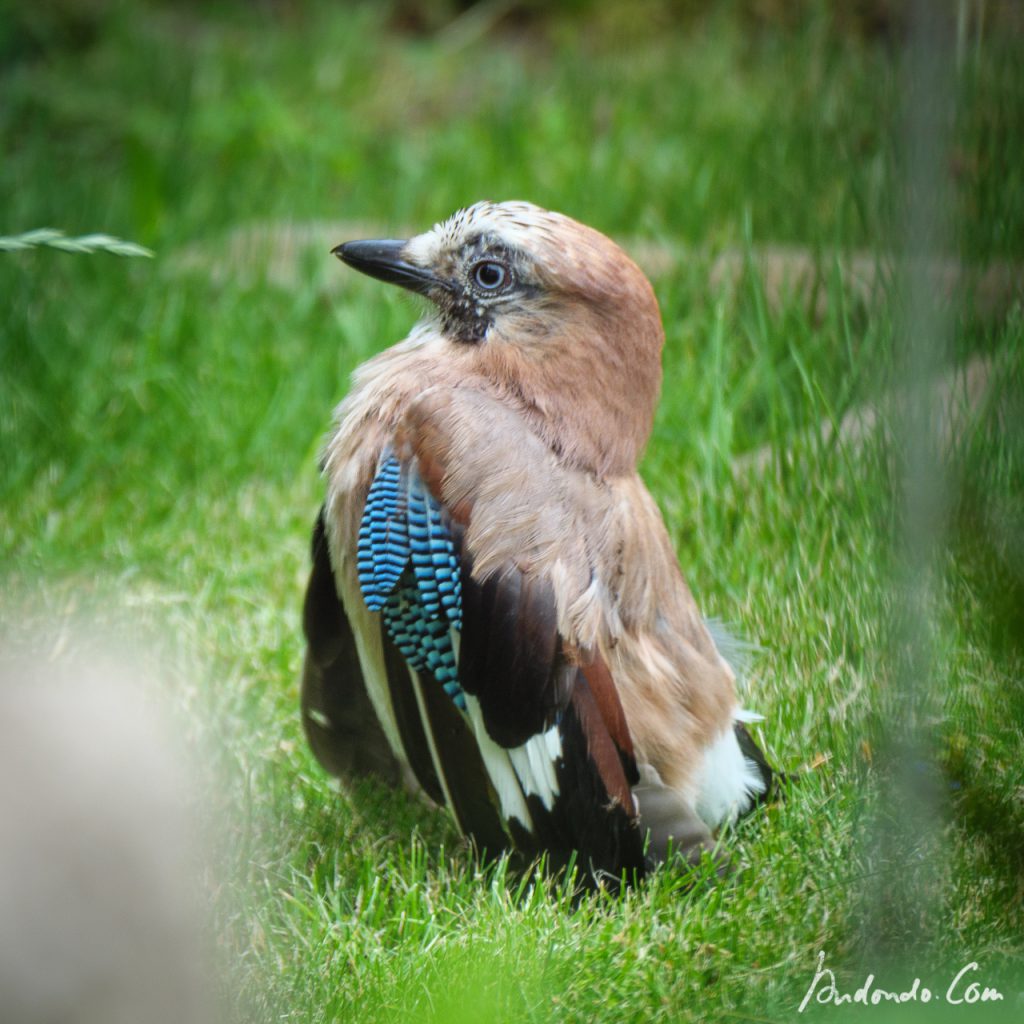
(382, 258)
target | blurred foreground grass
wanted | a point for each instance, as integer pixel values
(160, 421)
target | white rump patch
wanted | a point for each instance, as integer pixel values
(729, 781)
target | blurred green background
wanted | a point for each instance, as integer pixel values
(160, 422)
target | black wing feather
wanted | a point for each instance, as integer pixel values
(406, 710)
(605, 830)
(337, 715)
(509, 655)
(472, 799)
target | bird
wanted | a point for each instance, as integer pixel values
(496, 613)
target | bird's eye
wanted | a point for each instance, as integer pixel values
(489, 275)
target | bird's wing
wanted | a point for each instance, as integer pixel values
(340, 722)
(343, 723)
(477, 621)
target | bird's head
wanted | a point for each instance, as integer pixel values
(547, 309)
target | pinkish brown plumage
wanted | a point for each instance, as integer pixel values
(586, 703)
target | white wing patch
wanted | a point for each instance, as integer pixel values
(499, 767)
(519, 772)
(535, 762)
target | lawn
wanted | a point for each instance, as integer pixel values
(160, 422)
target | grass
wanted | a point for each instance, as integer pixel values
(160, 422)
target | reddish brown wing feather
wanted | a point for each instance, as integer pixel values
(601, 748)
(595, 806)
(606, 699)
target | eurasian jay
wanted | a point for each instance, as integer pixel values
(495, 605)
